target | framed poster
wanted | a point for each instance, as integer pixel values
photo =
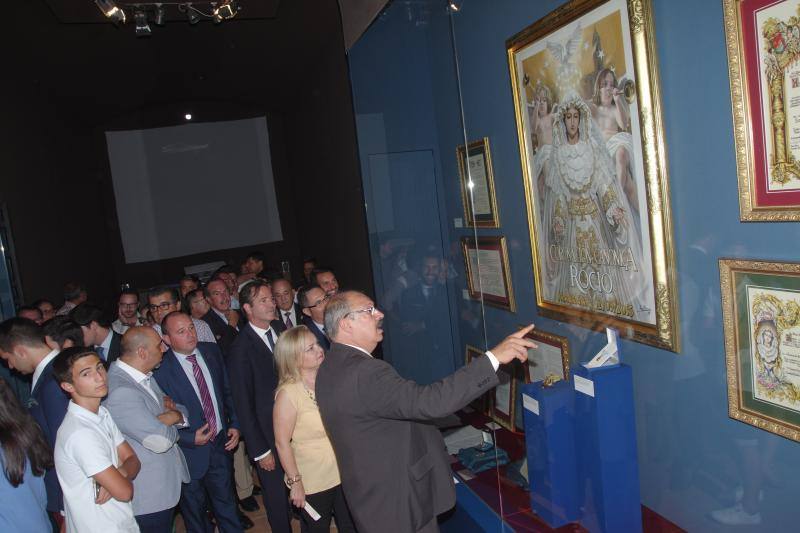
(763, 40)
(761, 314)
(488, 273)
(480, 404)
(477, 184)
(586, 95)
(551, 356)
(502, 398)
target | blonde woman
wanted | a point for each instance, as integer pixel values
(304, 450)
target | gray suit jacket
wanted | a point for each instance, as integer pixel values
(394, 467)
(134, 410)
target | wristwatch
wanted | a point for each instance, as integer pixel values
(292, 480)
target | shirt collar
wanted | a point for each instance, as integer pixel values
(259, 331)
(359, 348)
(86, 414)
(320, 327)
(40, 367)
(137, 375)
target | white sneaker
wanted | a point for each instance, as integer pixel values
(736, 516)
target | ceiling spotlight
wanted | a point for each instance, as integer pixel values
(159, 15)
(226, 9)
(111, 10)
(188, 116)
(191, 12)
(142, 27)
(454, 6)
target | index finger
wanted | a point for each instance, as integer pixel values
(524, 331)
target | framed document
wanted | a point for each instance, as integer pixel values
(482, 403)
(477, 184)
(761, 313)
(488, 272)
(550, 357)
(763, 40)
(502, 398)
(594, 164)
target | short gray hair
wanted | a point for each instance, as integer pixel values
(337, 309)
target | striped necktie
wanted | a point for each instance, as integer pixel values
(205, 395)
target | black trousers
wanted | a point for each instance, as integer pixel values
(276, 498)
(327, 503)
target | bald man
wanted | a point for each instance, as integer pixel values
(149, 420)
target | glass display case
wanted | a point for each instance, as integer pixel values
(574, 166)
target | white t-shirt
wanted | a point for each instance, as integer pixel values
(86, 445)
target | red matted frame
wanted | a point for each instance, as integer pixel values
(758, 56)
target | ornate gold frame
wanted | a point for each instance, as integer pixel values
(749, 211)
(461, 156)
(474, 292)
(552, 339)
(730, 309)
(665, 333)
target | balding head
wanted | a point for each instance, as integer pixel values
(142, 348)
(352, 318)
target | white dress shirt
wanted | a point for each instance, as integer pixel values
(292, 315)
(189, 371)
(138, 376)
(40, 368)
(106, 344)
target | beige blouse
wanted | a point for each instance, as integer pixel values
(313, 452)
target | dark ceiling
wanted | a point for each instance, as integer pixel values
(86, 12)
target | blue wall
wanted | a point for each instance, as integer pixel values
(692, 455)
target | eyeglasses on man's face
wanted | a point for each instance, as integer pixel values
(369, 310)
(163, 306)
(320, 301)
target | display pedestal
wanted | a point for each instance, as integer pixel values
(608, 472)
(550, 443)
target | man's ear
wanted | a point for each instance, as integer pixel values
(247, 309)
(69, 387)
(307, 312)
(165, 338)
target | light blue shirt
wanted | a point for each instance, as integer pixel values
(22, 508)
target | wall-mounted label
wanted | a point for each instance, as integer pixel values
(458, 222)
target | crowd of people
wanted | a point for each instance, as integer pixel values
(192, 391)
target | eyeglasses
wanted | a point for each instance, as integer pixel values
(318, 302)
(371, 310)
(163, 306)
(128, 305)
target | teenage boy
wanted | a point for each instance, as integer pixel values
(95, 465)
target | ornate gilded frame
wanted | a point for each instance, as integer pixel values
(498, 244)
(663, 330)
(470, 219)
(744, 318)
(551, 339)
(756, 203)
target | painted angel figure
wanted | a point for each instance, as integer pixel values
(612, 114)
(540, 113)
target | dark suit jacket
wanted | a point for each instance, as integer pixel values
(392, 463)
(48, 405)
(279, 325)
(254, 378)
(321, 338)
(176, 385)
(222, 331)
